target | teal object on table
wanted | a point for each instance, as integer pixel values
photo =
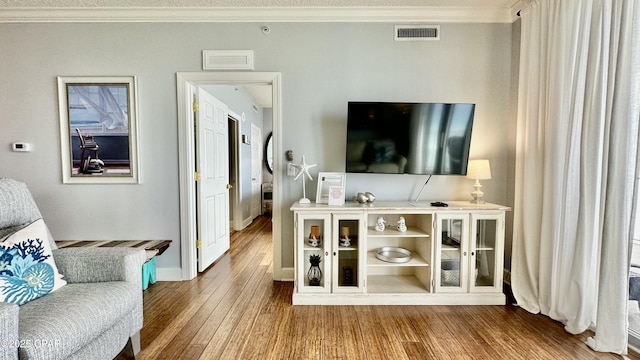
(149, 273)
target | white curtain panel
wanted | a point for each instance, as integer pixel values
(577, 162)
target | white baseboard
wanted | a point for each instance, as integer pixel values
(246, 222)
(287, 274)
(169, 274)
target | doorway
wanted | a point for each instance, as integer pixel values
(233, 170)
(187, 85)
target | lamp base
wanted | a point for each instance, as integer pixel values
(477, 201)
(477, 193)
(304, 201)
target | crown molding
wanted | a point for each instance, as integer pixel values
(517, 7)
(391, 14)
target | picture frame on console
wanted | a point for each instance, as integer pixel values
(331, 188)
(98, 129)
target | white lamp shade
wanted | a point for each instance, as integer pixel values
(478, 169)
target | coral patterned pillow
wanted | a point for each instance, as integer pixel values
(27, 269)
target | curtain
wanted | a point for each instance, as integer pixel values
(576, 164)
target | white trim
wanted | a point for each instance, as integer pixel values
(246, 222)
(186, 165)
(516, 7)
(187, 82)
(287, 274)
(168, 274)
(382, 14)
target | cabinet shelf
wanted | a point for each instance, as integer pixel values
(395, 284)
(391, 232)
(312, 248)
(416, 260)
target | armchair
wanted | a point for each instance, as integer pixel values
(94, 316)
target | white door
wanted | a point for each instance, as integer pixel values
(212, 163)
(256, 170)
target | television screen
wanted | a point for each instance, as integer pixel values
(408, 138)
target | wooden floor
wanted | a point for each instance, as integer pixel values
(236, 311)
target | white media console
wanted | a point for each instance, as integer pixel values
(456, 254)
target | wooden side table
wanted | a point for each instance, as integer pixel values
(152, 249)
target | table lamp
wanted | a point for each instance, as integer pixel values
(478, 170)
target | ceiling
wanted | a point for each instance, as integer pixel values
(261, 94)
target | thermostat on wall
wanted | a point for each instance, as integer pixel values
(20, 146)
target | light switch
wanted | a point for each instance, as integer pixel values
(291, 169)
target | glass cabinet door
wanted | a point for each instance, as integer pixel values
(314, 261)
(486, 252)
(348, 259)
(452, 253)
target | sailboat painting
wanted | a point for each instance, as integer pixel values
(98, 127)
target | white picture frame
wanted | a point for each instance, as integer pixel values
(98, 121)
(331, 183)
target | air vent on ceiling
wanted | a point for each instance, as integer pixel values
(417, 32)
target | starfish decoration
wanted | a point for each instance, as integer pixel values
(304, 169)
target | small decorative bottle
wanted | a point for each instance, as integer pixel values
(314, 274)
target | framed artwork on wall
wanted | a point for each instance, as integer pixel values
(331, 188)
(98, 129)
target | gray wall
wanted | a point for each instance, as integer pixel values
(323, 66)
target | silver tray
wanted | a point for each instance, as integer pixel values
(393, 254)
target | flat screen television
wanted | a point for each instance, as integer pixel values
(408, 138)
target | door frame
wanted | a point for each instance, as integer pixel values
(256, 196)
(187, 83)
(236, 190)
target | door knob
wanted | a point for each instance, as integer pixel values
(229, 186)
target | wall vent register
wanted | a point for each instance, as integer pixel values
(417, 32)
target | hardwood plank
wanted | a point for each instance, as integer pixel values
(343, 339)
(304, 334)
(377, 337)
(235, 311)
(232, 329)
(155, 349)
(269, 333)
(238, 295)
(179, 342)
(416, 350)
